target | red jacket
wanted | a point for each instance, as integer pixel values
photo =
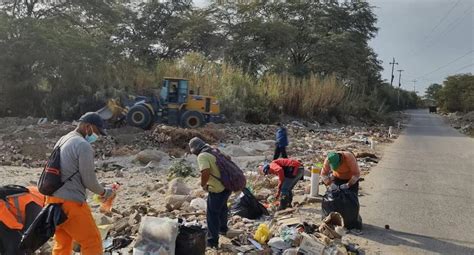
(277, 168)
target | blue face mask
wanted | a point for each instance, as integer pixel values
(91, 138)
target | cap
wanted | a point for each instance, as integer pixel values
(334, 160)
(196, 145)
(94, 119)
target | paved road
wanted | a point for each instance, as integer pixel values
(424, 190)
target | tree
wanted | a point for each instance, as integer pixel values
(458, 93)
(432, 93)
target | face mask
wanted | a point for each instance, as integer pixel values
(92, 137)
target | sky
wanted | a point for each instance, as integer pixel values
(430, 39)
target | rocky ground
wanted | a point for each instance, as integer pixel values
(462, 121)
(159, 178)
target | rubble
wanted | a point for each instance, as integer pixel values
(144, 161)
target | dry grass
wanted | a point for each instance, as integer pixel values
(244, 97)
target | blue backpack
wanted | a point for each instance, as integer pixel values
(232, 177)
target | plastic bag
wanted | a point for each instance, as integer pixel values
(156, 236)
(191, 240)
(262, 234)
(344, 202)
(247, 206)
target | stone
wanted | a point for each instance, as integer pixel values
(178, 187)
(148, 155)
(174, 202)
(134, 218)
(236, 151)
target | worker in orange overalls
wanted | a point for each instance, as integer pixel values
(18, 209)
(78, 175)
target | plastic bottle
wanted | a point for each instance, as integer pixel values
(315, 170)
(106, 206)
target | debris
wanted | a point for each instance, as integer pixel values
(174, 202)
(148, 155)
(310, 245)
(198, 204)
(178, 187)
(278, 245)
(262, 234)
(156, 236)
(191, 240)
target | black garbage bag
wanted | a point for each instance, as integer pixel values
(344, 202)
(191, 240)
(247, 206)
(43, 227)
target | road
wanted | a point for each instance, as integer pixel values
(423, 189)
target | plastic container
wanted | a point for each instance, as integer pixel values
(315, 171)
(106, 206)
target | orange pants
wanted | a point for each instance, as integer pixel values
(79, 226)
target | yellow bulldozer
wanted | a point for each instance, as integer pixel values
(175, 105)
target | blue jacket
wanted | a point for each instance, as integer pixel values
(281, 137)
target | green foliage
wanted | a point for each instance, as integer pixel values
(457, 93)
(432, 93)
(180, 168)
(261, 59)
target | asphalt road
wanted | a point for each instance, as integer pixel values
(423, 189)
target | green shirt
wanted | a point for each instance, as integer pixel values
(208, 161)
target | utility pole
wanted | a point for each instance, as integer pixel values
(393, 66)
(414, 86)
(399, 85)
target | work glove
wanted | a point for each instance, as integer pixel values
(108, 193)
(332, 187)
(344, 186)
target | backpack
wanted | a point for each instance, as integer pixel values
(232, 177)
(9, 190)
(50, 179)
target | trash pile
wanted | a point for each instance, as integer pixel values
(464, 122)
(180, 227)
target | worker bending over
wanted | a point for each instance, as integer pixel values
(340, 170)
(289, 171)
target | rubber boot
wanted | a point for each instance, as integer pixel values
(284, 201)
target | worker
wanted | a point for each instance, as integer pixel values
(340, 170)
(281, 142)
(217, 211)
(289, 172)
(77, 160)
(15, 221)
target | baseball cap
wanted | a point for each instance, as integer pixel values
(94, 119)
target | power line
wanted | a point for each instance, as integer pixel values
(443, 18)
(464, 67)
(449, 28)
(441, 67)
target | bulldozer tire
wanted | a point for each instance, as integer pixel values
(192, 119)
(139, 116)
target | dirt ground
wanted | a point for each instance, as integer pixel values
(143, 161)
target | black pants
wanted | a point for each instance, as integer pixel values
(217, 214)
(354, 188)
(9, 241)
(280, 151)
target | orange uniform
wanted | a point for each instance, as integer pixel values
(348, 168)
(13, 210)
(79, 226)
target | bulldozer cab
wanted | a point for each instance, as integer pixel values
(174, 91)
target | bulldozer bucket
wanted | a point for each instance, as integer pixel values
(105, 113)
(111, 110)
